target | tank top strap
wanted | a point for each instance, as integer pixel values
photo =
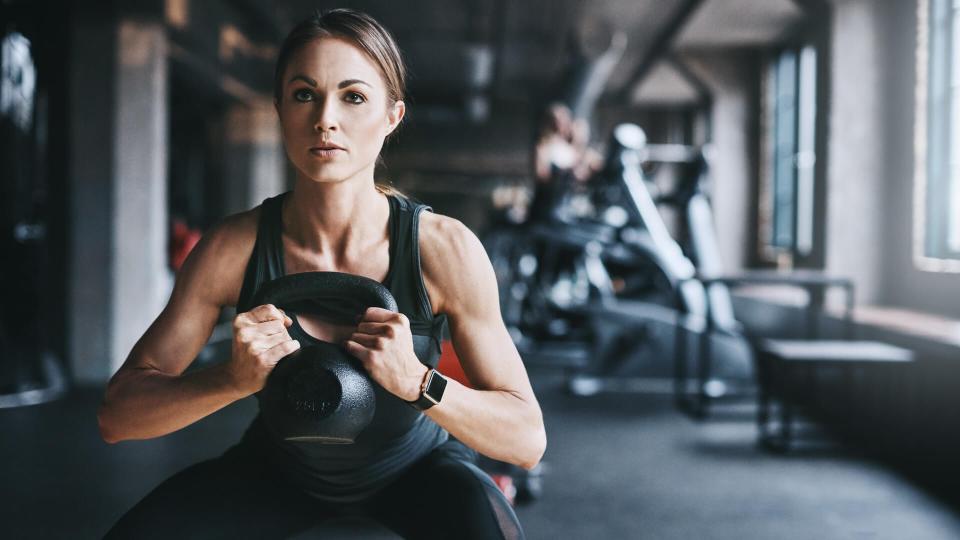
(266, 260)
(406, 277)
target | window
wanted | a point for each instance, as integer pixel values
(787, 192)
(937, 245)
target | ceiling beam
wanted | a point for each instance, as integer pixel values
(661, 46)
(702, 89)
(812, 7)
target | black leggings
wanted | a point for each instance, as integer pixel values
(444, 495)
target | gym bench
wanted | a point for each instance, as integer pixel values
(787, 371)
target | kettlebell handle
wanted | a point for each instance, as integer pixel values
(336, 297)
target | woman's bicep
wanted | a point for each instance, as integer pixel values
(487, 354)
(176, 336)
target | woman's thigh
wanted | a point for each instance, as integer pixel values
(232, 496)
(446, 496)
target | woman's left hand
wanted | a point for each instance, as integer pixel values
(384, 344)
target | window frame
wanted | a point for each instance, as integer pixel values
(936, 152)
(800, 163)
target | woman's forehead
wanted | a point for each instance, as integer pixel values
(332, 60)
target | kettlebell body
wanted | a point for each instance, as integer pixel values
(320, 393)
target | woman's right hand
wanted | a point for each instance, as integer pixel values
(260, 340)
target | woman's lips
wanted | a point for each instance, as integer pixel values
(325, 152)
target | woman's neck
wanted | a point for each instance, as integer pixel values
(336, 219)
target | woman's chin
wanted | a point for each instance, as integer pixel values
(325, 175)
(331, 173)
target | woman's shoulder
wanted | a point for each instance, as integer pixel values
(445, 232)
(220, 258)
(451, 256)
(235, 234)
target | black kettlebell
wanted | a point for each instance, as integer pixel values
(320, 393)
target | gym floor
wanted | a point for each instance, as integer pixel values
(618, 466)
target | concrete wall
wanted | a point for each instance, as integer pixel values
(855, 172)
(732, 77)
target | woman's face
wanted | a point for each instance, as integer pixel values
(334, 111)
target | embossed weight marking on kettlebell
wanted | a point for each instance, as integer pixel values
(313, 392)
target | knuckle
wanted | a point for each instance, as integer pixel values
(243, 336)
(380, 343)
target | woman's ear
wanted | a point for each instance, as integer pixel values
(395, 115)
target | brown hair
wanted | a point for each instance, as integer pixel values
(356, 27)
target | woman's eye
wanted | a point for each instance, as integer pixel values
(354, 97)
(303, 95)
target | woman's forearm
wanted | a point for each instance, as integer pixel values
(498, 424)
(145, 403)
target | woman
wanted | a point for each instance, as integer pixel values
(339, 94)
(562, 162)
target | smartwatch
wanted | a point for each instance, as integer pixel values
(431, 392)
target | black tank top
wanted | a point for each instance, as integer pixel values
(398, 435)
(546, 207)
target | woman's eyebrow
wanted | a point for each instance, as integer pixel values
(348, 82)
(303, 78)
(343, 84)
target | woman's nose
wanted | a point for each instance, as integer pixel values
(326, 119)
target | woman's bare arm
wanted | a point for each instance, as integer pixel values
(149, 396)
(500, 416)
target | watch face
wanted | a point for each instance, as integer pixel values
(435, 387)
